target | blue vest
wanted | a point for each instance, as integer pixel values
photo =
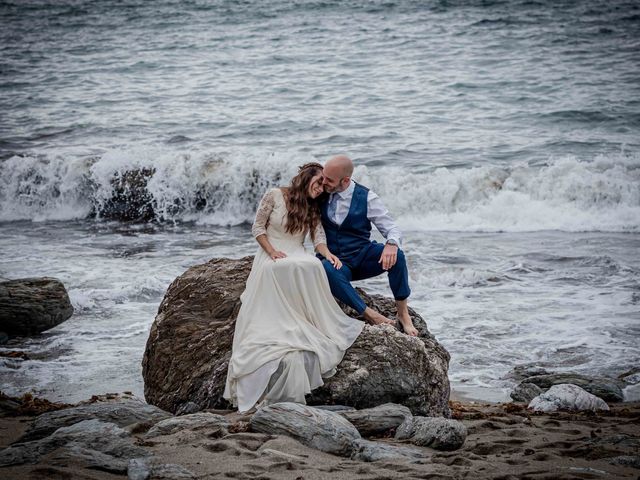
(351, 239)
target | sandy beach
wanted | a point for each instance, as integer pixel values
(505, 441)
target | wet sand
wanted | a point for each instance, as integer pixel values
(505, 441)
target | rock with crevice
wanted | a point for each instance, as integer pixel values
(29, 306)
(122, 412)
(110, 441)
(189, 347)
(315, 428)
(213, 424)
(377, 420)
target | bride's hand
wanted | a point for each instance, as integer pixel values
(335, 261)
(276, 254)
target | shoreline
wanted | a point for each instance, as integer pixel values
(504, 441)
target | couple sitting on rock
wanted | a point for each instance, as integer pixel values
(290, 332)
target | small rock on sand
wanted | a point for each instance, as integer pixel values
(567, 397)
(434, 432)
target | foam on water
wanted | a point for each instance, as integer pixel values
(466, 117)
(221, 188)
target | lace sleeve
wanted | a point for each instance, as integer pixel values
(262, 214)
(320, 236)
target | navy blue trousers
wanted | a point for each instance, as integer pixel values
(367, 267)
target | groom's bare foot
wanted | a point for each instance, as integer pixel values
(375, 318)
(407, 325)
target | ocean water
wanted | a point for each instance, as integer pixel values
(504, 137)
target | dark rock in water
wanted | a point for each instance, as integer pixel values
(315, 428)
(123, 412)
(32, 305)
(179, 139)
(520, 372)
(4, 338)
(606, 388)
(189, 347)
(130, 199)
(525, 392)
(631, 377)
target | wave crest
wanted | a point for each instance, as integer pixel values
(224, 189)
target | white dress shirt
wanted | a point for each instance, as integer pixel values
(377, 213)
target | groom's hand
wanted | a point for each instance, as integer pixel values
(389, 256)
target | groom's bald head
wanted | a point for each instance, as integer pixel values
(337, 173)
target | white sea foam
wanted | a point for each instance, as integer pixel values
(224, 188)
(567, 194)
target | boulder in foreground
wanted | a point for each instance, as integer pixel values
(189, 347)
(320, 429)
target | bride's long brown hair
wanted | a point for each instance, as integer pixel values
(303, 212)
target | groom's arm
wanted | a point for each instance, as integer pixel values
(378, 214)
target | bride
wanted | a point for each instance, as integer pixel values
(290, 332)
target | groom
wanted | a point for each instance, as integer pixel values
(347, 217)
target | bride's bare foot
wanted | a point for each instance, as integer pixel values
(375, 318)
(407, 325)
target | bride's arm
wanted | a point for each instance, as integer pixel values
(320, 244)
(259, 227)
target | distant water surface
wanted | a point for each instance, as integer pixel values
(502, 135)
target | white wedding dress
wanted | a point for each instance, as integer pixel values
(290, 332)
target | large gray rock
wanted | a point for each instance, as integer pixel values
(377, 420)
(567, 397)
(315, 428)
(520, 372)
(434, 432)
(111, 441)
(32, 305)
(189, 347)
(214, 424)
(122, 412)
(607, 389)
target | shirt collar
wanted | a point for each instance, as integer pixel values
(347, 192)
